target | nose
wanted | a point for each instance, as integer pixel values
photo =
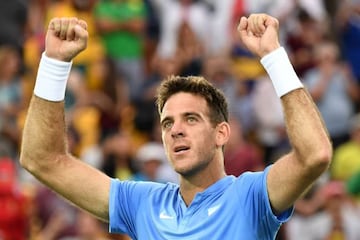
(177, 130)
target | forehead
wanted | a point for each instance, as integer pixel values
(184, 102)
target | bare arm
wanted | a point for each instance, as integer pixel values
(311, 151)
(44, 148)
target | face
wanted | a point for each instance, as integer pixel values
(190, 140)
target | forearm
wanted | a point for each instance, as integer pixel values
(44, 136)
(295, 172)
(305, 127)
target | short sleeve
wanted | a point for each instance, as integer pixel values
(124, 201)
(252, 189)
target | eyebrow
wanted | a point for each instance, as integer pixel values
(185, 114)
(165, 119)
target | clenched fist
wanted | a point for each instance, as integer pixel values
(259, 33)
(65, 38)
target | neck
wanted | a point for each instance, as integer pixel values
(191, 185)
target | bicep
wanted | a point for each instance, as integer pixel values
(85, 186)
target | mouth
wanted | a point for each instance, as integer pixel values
(181, 149)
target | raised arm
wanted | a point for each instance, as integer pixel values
(44, 147)
(311, 151)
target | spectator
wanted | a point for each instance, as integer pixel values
(301, 40)
(118, 156)
(270, 127)
(53, 217)
(221, 26)
(90, 228)
(353, 185)
(121, 25)
(153, 164)
(172, 14)
(216, 70)
(13, 24)
(110, 99)
(346, 161)
(14, 204)
(348, 27)
(338, 220)
(189, 51)
(334, 90)
(82, 114)
(10, 100)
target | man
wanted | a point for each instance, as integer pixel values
(206, 204)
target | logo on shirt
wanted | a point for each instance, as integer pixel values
(213, 209)
(164, 215)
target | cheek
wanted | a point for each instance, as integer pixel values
(204, 141)
(165, 139)
(205, 149)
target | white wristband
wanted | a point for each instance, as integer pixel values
(281, 72)
(51, 79)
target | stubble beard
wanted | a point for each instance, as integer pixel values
(193, 170)
(196, 166)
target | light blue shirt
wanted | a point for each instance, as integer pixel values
(231, 208)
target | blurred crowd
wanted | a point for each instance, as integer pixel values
(113, 124)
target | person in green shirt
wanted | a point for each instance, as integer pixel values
(353, 184)
(121, 24)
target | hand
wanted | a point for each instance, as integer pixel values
(65, 38)
(259, 33)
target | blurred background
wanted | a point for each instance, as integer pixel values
(113, 123)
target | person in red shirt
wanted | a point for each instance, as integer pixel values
(13, 204)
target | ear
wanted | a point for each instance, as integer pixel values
(222, 133)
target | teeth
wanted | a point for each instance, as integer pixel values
(181, 149)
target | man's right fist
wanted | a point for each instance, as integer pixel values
(66, 38)
(259, 33)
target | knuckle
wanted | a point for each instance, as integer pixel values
(54, 20)
(64, 20)
(73, 20)
(252, 16)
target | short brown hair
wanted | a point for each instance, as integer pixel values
(197, 85)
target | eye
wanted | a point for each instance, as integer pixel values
(167, 125)
(191, 119)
